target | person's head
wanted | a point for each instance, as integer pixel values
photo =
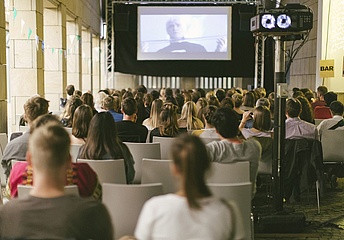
(81, 121)
(35, 107)
(48, 151)
(227, 102)
(329, 97)
(102, 138)
(261, 118)
(77, 93)
(168, 92)
(337, 108)
(99, 98)
(155, 94)
(108, 103)
(209, 113)
(195, 95)
(175, 28)
(220, 94)
(43, 120)
(72, 104)
(226, 122)
(147, 100)
(297, 94)
(307, 113)
(321, 90)
(263, 102)
(214, 101)
(238, 100)
(142, 89)
(249, 99)
(168, 120)
(129, 106)
(191, 164)
(70, 90)
(87, 98)
(155, 112)
(188, 111)
(293, 108)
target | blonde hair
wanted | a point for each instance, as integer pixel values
(49, 147)
(153, 120)
(189, 114)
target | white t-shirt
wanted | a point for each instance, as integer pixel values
(169, 217)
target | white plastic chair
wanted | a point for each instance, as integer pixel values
(235, 172)
(24, 190)
(108, 171)
(240, 194)
(140, 151)
(318, 121)
(124, 203)
(165, 146)
(74, 151)
(209, 140)
(331, 141)
(158, 171)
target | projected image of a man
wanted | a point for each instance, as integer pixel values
(176, 29)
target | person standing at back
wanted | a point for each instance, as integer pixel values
(47, 213)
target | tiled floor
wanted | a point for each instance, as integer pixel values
(318, 226)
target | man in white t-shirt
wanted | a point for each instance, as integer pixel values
(336, 122)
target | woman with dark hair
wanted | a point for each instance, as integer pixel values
(261, 123)
(67, 116)
(87, 99)
(307, 113)
(249, 101)
(103, 143)
(81, 121)
(168, 126)
(188, 213)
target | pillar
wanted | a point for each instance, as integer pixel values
(26, 72)
(74, 75)
(86, 39)
(55, 54)
(3, 79)
(96, 63)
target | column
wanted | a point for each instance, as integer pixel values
(26, 35)
(86, 38)
(3, 79)
(74, 75)
(96, 63)
(55, 54)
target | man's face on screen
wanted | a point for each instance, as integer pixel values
(175, 29)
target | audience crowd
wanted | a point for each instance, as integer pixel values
(239, 121)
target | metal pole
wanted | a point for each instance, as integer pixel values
(279, 122)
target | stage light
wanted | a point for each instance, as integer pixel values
(268, 21)
(283, 21)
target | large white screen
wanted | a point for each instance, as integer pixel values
(184, 33)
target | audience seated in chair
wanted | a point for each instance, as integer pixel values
(128, 126)
(209, 131)
(47, 213)
(103, 143)
(190, 212)
(336, 122)
(16, 149)
(231, 148)
(295, 127)
(81, 121)
(111, 103)
(79, 174)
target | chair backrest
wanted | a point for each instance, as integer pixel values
(24, 190)
(318, 121)
(108, 171)
(235, 172)
(265, 163)
(124, 203)
(130, 138)
(240, 194)
(24, 128)
(74, 151)
(165, 146)
(140, 151)
(158, 171)
(331, 141)
(209, 140)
